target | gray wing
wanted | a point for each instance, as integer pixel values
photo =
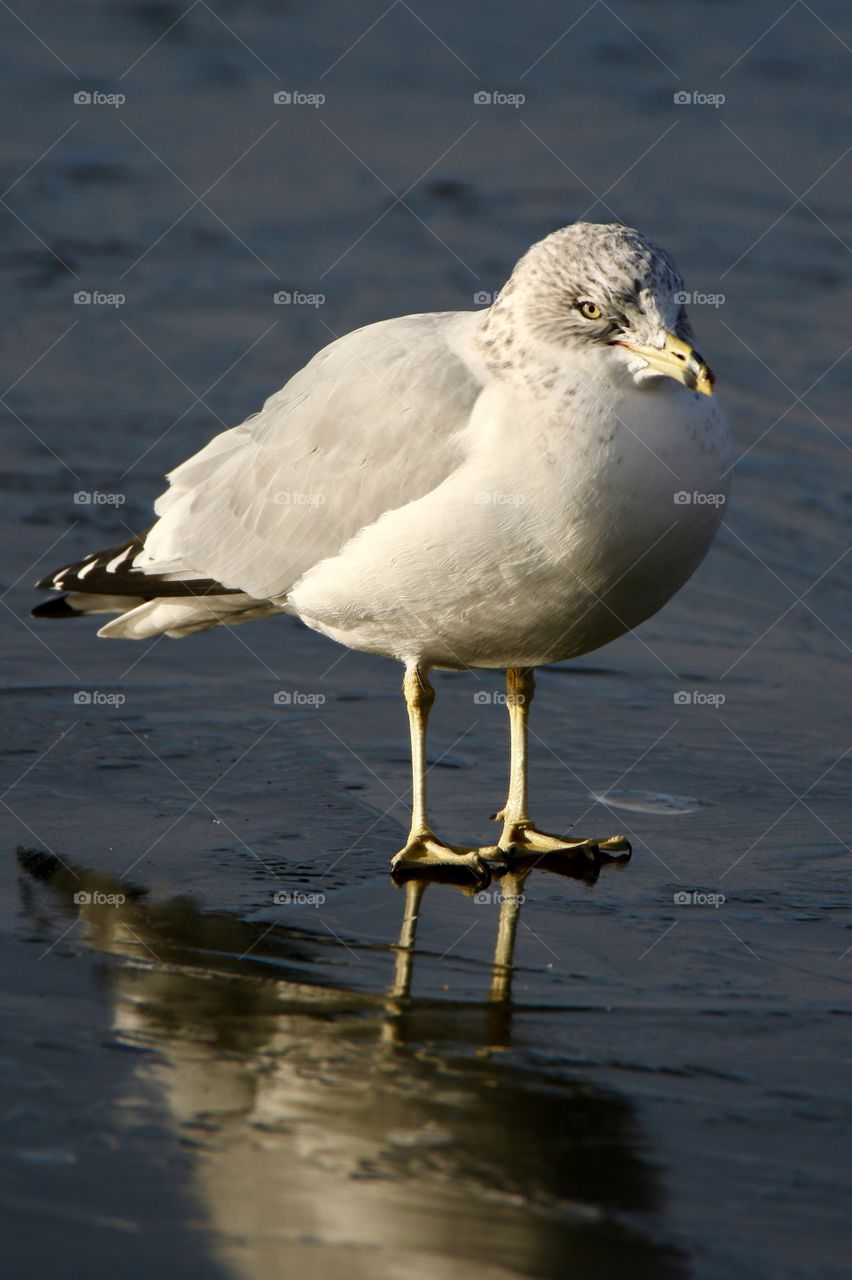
(372, 422)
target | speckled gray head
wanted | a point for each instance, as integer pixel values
(600, 288)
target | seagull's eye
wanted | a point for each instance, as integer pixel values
(589, 310)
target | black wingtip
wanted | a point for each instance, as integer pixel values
(58, 607)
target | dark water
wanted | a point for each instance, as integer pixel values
(200, 1081)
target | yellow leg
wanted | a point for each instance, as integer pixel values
(519, 833)
(423, 848)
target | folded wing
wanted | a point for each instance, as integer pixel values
(373, 422)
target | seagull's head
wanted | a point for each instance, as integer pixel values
(604, 291)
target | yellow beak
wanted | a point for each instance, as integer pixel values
(677, 360)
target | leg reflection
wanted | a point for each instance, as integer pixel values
(509, 895)
(511, 901)
(414, 891)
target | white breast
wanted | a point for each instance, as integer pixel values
(560, 532)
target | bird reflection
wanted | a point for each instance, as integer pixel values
(334, 1132)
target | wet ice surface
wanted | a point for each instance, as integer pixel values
(206, 1079)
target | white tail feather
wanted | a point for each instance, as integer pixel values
(179, 618)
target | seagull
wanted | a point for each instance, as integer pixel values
(500, 488)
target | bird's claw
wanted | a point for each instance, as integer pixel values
(424, 854)
(523, 838)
